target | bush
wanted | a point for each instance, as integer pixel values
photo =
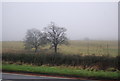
(101, 62)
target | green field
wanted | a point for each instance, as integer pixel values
(61, 70)
(97, 47)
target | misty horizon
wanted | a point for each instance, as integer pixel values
(93, 20)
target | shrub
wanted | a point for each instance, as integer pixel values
(102, 62)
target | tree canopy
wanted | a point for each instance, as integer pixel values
(34, 38)
(56, 35)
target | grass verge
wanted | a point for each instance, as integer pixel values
(63, 71)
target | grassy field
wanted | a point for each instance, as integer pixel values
(0, 47)
(61, 70)
(98, 59)
(81, 47)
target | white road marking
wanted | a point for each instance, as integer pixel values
(35, 76)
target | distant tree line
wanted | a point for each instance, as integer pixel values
(52, 34)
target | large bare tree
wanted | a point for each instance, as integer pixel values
(56, 35)
(34, 38)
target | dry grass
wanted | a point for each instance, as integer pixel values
(94, 47)
(0, 47)
(75, 47)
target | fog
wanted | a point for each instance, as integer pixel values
(96, 21)
(0, 22)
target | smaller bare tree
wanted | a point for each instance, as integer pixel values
(56, 35)
(34, 38)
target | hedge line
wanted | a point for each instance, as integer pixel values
(89, 61)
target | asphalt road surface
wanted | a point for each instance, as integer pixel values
(21, 77)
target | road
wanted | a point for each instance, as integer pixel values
(21, 77)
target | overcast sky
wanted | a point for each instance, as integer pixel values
(92, 20)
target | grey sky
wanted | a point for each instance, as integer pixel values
(92, 20)
(0, 21)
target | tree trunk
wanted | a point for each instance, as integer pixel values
(55, 48)
(36, 49)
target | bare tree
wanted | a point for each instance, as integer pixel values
(56, 35)
(34, 38)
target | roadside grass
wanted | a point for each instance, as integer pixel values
(60, 70)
